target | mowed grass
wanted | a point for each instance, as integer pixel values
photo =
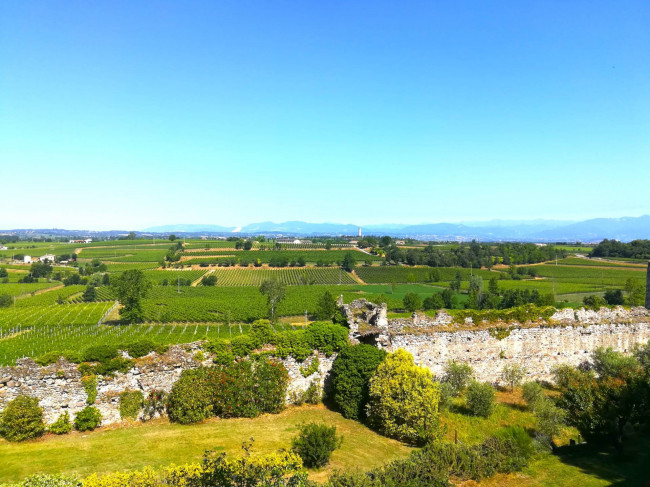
(160, 443)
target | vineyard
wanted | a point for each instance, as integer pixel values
(21, 289)
(401, 274)
(171, 276)
(290, 276)
(324, 257)
(34, 331)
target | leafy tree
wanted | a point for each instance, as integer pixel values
(326, 306)
(512, 375)
(594, 302)
(350, 377)
(22, 419)
(403, 400)
(493, 286)
(6, 300)
(40, 269)
(348, 262)
(614, 297)
(457, 375)
(210, 280)
(602, 406)
(275, 292)
(130, 287)
(172, 237)
(480, 399)
(532, 392)
(315, 443)
(434, 301)
(635, 292)
(248, 244)
(89, 294)
(412, 302)
(3, 272)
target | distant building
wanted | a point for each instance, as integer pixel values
(359, 232)
(291, 240)
(27, 259)
(84, 241)
(3, 248)
(47, 258)
(88, 240)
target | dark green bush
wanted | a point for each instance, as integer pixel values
(223, 358)
(140, 348)
(22, 419)
(87, 419)
(314, 393)
(292, 343)
(100, 353)
(480, 399)
(53, 357)
(350, 374)
(109, 368)
(62, 425)
(446, 394)
(532, 392)
(190, 399)
(131, 403)
(218, 345)
(315, 444)
(242, 345)
(261, 333)
(326, 337)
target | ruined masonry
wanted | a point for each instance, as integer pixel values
(568, 337)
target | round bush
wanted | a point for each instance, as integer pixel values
(480, 399)
(22, 419)
(351, 372)
(140, 348)
(87, 419)
(242, 345)
(315, 444)
(62, 425)
(190, 399)
(326, 337)
(532, 392)
(403, 400)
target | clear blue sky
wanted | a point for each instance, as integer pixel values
(123, 114)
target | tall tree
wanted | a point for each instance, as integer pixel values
(275, 292)
(130, 287)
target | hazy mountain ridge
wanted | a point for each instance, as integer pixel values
(593, 230)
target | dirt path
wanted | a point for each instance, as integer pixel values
(198, 281)
(357, 278)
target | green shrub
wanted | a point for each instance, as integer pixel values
(532, 392)
(242, 345)
(140, 348)
(550, 418)
(22, 419)
(594, 302)
(315, 443)
(62, 425)
(480, 399)
(190, 399)
(40, 480)
(131, 403)
(412, 302)
(292, 343)
(218, 345)
(326, 337)
(520, 444)
(457, 375)
(109, 368)
(223, 358)
(312, 368)
(403, 400)
(261, 332)
(89, 383)
(154, 404)
(350, 375)
(446, 394)
(313, 394)
(100, 353)
(87, 419)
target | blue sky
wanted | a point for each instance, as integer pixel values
(121, 114)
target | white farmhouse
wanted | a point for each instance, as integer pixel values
(27, 259)
(48, 258)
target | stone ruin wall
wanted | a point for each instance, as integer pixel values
(537, 349)
(59, 388)
(568, 337)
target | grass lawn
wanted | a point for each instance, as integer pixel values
(160, 443)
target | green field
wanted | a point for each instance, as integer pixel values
(291, 276)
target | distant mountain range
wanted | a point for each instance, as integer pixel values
(624, 229)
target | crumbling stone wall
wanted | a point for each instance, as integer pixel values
(647, 288)
(59, 388)
(537, 349)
